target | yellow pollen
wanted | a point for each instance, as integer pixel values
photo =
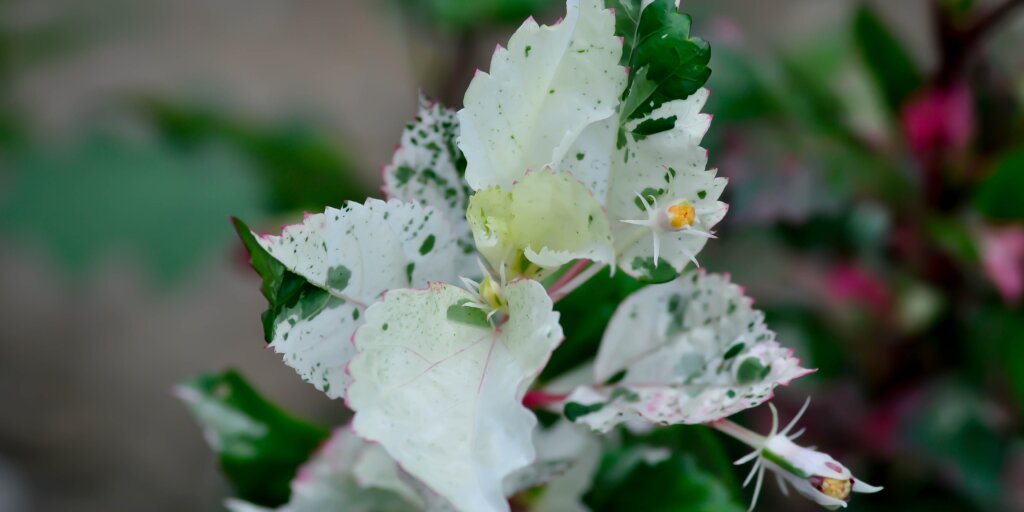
(838, 489)
(681, 215)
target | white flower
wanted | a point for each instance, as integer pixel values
(679, 216)
(815, 475)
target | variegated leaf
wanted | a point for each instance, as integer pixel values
(350, 256)
(540, 94)
(428, 168)
(441, 389)
(689, 351)
(329, 482)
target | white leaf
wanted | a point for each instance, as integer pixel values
(424, 170)
(689, 351)
(540, 94)
(352, 255)
(442, 390)
(327, 483)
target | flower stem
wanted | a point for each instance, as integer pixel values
(537, 398)
(568, 275)
(740, 433)
(575, 282)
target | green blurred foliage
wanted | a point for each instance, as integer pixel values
(628, 480)
(1000, 196)
(895, 74)
(260, 446)
(954, 432)
(108, 193)
(301, 167)
(466, 15)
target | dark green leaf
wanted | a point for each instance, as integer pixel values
(627, 482)
(954, 432)
(651, 273)
(584, 315)
(667, 64)
(895, 74)
(285, 291)
(574, 411)
(1000, 195)
(653, 126)
(303, 169)
(260, 447)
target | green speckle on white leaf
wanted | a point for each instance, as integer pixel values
(694, 350)
(348, 257)
(540, 94)
(427, 169)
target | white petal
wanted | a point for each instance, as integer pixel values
(423, 170)
(861, 486)
(689, 351)
(540, 94)
(442, 391)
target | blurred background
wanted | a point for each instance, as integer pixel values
(876, 158)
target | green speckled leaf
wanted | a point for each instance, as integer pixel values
(319, 276)
(694, 350)
(540, 94)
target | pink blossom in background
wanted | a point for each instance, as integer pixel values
(726, 31)
(853, 282)
(939, 119)
(1002, 255)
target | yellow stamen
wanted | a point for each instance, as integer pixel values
(838, 489)
(681, 215)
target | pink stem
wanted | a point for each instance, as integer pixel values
(539, 398)
(568, 275)
(742, 434)
(576, 282)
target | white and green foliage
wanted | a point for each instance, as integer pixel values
(346, 474)
(689, 351)
(559, 155)
(540, 93)
(441, 388)
(344, 259)
(428, 168)
(537, 108)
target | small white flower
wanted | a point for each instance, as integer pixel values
(488, 293)
(815, 475)
(677, 216)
